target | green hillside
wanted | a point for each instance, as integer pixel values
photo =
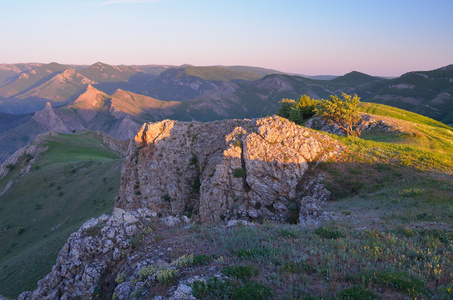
(415, 130)
(74, 180)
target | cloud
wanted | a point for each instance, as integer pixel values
(127, 1)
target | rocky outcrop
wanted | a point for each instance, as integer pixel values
(49, 119)
(120, 146)
(25, 156)
(233, 171)
(88, 253)
(223, 170)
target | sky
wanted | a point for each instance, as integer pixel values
(318, 37)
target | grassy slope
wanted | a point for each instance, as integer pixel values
(391, 179)
(418, 131)
(390, 234)
(74, 180)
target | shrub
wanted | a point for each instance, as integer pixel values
(298, 111)
(239, 173)
(193, 160)
(251, 252)
(289, 233)
(215, 288)
(412, 192)
(167, 276)
(297, 267)
(252, 291)
(146, 272)
(328, 233)
(20, 229)
(241, 272)
(356, 292)
(196, 184)
(183, 261)
(95, 230)
(399, 280)
(120, 278)
(286, 105)
(202, 259)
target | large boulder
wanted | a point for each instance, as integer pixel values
(223, 170)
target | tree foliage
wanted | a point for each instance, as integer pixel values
(299, 111)
(343, 113)
(286, 105)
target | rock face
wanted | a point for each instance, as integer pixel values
(224, 170)
(49, 119)
(27, 154)
(87, 254)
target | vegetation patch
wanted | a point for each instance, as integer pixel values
(240, 271)
(328, 233)
(239, 173)
(215, 288)
(356, 292)
(401, 281)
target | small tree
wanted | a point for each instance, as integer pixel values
(343, 113)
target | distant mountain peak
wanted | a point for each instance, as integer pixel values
(89, 103)
(185, 66)
(447, 68)
(49, 119)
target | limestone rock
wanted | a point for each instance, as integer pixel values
(87, 254)
(32, 151)
(220, 171)
(49, 119)
(183, 292)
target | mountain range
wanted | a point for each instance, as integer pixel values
(35, 97)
